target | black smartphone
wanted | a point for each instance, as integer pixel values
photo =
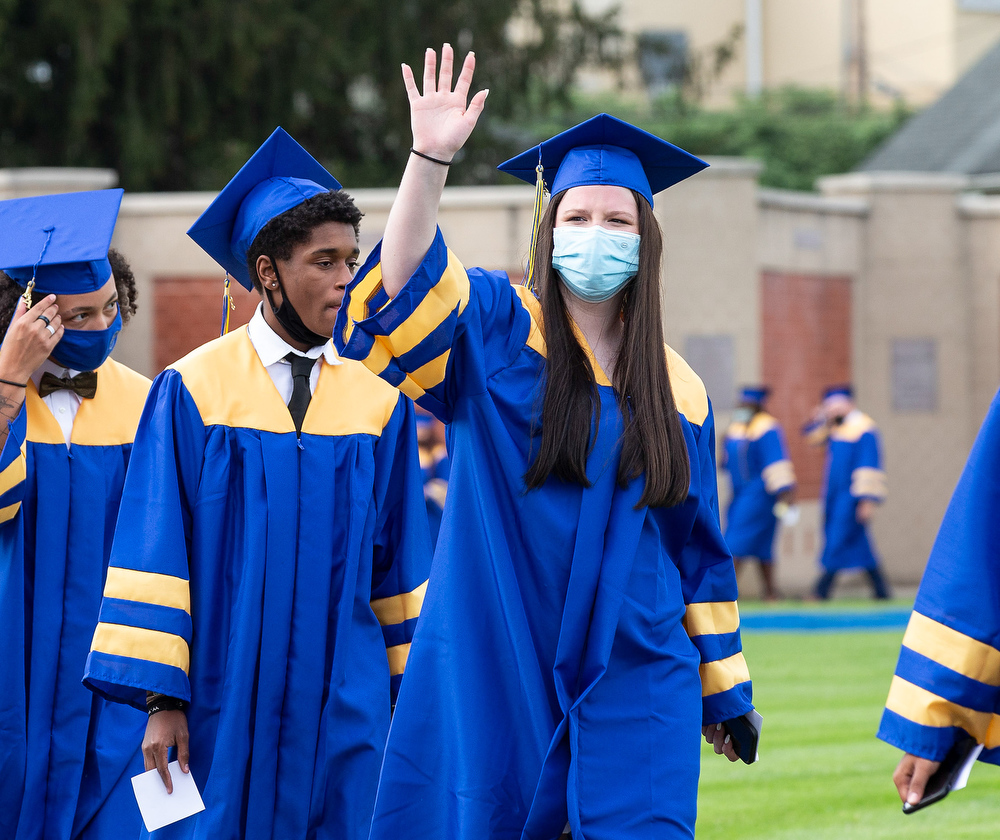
(940, 784)
(744, 732)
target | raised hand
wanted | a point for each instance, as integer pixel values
(441, 118)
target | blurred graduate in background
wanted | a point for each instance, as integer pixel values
(763, 480)
(69, 416)
(581, 626)
(435, 465)
(855, 484)
(272, 550)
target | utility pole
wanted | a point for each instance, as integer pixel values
(855, 52)
(754, 39)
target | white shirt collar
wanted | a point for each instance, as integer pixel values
(272, 348)
(49, 366)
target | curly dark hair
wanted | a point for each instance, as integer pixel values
(279, 236)
(11, 290)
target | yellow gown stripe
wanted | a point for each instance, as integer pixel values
(231, 387)
(9, 512)
(778, 476)
(148, 588)
(361, 297)
(689, 391)
(431, 374)
(760, 425)
(450, 292)
(723, 674)
(711, 618)
(399, 608)
(868, 481)
(928, 709)
(952, 649)
(852, 429)
(14, 473)
(141, 643)
(398, 654)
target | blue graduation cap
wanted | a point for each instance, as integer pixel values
(754, 393)
(605, 150)
(279, 176)
(839, 391)
(60, 241)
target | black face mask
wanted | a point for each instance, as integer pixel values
(839, 419)
(289, 318)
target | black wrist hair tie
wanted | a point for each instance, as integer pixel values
(15, 384)
(428, 157)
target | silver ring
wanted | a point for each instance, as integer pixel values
(45, 319)
(51, 329)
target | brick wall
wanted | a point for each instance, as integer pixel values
(188, 312)
(805, 346)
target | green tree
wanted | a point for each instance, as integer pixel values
(175, 94)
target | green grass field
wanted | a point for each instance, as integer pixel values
(822, 773)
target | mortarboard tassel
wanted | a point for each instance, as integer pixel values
(34, 268)
(536, 217)
(228, 305)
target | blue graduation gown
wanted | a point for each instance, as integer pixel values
(948, 675)
(272, 582)
(756, 457)
(555, 674)
(58, 508)
(853, 472)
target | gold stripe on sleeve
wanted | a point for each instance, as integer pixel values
(14, 473)
(360, 298)
(928, 709)
(432, 373)
(711, 617)
(9, 512)
(450, 291)
(398, 608)
(141, 643)
(723, 674)
(148, 588)
(867, 481)
(398, 654)
(940, 643)
(778, 476)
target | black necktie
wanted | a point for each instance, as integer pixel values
(84, 384)
(297, 405)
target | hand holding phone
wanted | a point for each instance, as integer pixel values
(951, 775)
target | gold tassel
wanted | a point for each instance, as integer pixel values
(228, 305)
(27, 293)
(536, 217)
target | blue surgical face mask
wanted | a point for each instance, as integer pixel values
(594, 262)
(87, 349)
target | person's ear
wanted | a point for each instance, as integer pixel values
(266, 273)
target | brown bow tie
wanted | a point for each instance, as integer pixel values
(84, 384)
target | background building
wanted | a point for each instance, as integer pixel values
(880, 49)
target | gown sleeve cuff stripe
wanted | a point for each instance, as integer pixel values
(723, 674)
(868, 483)
(923, 707)
(148, 588)
(727, 705)
(141, 644)
(720, 646)
(126, 680)
(712, 618)
(952, 649)
(8, 512)
(778, 476)
(399, 608)
(930, 742)
(151, 616)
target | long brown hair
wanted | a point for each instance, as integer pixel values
(653, 440)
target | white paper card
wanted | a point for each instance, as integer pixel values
(962, 779)
(159, 808)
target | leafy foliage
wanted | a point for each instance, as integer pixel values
(799, 134)
(175, 94)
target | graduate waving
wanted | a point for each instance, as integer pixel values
(582, 624)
